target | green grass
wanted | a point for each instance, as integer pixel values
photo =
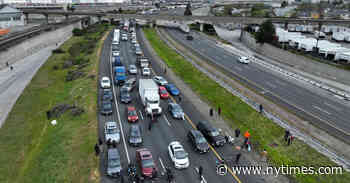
(239, 114)
(31, 149)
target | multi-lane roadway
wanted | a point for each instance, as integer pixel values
(164, 131)
(320, 108)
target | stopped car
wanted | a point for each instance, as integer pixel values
(212, 134)
(124, 37)
(132, 114)
(115, 53)
(171, 88)
(125, 96)
(163, 93)
(138, 51)
(106, 108)
(130, 84)
(176, 111)
(132, 69)
(133, 41)
(244, 60)
(160, 80)
(178, 155)
(135, 136)
(107, 95)
(112, 132)
(146, 163)
(114, 167)
(198, 141)
(189, 37)
(105, 82)
(146, 71)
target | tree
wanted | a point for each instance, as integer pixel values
(120, 10)
(265, 33)
(284, 4)
(188, 11)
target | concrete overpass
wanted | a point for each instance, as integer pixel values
(193, 19)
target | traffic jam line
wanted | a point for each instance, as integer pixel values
(211, 147)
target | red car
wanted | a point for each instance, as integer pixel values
(132, 114)
(147, 165)
(163, 93)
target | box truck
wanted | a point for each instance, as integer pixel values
(148, 91)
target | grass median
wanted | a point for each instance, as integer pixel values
(239, 114)
(33, 150)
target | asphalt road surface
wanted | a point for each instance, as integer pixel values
(320, 110)
(164, 131)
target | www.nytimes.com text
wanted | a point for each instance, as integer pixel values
(281, 170)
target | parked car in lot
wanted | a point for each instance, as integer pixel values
(198, 141)
(130, 84)
(105, 82)
(107, 95)
(106, 108)
(176, 111)
(146, 71)
(135, 136)
(160, 80)
(132, 69)
(212, 134)
(244, 60)
(146, 163)
(125, 96)
(178, 155)
(114, 167)
(112, 132)
(171, 88)
(132, 114)
(163, 93)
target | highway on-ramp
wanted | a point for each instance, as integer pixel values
(326, 112)
(164, 131)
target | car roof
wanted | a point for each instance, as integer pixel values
(196, 133)
(131, 108)
(113, 152)
(145, 153)
(105, 78)
(162, 87)
(207, 125)
(111, 123)
(244, 57)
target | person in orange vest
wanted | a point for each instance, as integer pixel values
(246, 138)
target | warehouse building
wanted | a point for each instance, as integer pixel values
(10, 17)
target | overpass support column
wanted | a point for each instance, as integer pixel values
(286, 26)
(26, 18)
(46, 18)
(201, 27)
(67, 16)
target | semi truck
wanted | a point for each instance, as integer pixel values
(148, 91)
(119, 75)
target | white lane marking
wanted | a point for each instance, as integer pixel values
(116, 106)
(167, 120)
(333, 107)
(280, 82)
(339, 97)
(203, 179)
(161, 163)
(141, 114)
(271, 84)
(322, 110)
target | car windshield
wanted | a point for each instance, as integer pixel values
(180, 154)
(145, 70)
(107, 105)
(163, 91)
(114, 163)
(214, 133)
(132, 113)
(147, 163)
(177, 108)
(112, 131)
(105, 81)
(201, 140)
(135, 133)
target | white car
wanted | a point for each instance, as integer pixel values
(105, 82)
(160, 80)
(115, 53)
(178, 155)
(146, 71)
(112, 132)
(133, 41)
(244, 60)
(132, 69)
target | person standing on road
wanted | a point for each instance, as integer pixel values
(11, 67)
(200, 172)
(219, 111)
(237, 132)
(286, 135)
(150, 126)
(164, 70)
(7, 64)
(261, 108)
(211, 112)
(180, 98)
(97, 149)
(238, 156)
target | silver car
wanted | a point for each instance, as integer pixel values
(132, 69)
(130, 84)
(176, 111)
(114, 167)
(160, 80)
(112, 132)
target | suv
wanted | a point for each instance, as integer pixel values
(114, 166)
(198, 141)
(146, 163)
(112, 132)
(212, 134)
(135, 136)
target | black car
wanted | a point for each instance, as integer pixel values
(106, 108)
(189, 37)
(107, 95)
(212, 134)
(198, 141)
(125, 96)
(135, 136)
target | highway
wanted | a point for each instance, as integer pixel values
(324, 112)
(164, 131)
